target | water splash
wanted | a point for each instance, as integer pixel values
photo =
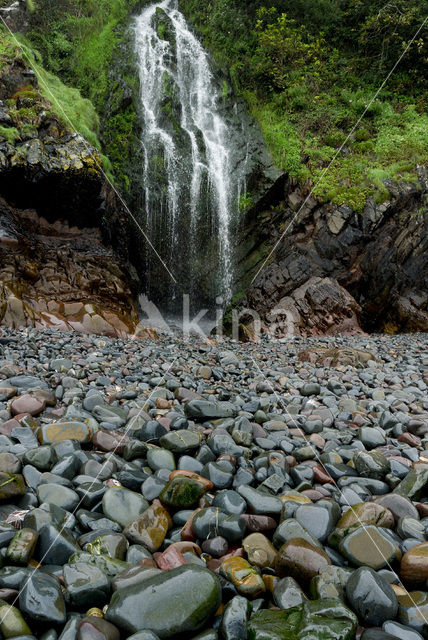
(191, 191)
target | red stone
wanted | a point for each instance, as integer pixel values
(186, 532)
(27, 404)
(171, 558)
(258, 523)
(321, 475)
(409, 438)
(7, 427)
(110, 440)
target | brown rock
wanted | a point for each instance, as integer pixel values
(258, 523)
(299, 559)
(414, 564)
(150, 528)
(110, 441)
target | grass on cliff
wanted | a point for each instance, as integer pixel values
(309, 70)
(77, 40)
(67, 103)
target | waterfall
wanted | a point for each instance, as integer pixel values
(191, 182)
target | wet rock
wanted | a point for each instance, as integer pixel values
(123, 506)
(414, 564)
(366, 546)
(244, 577)
(41, 599)
(317, 619)
(148, 606)
(300, 560)
(86, 585)
(371, 597)
(182, 493)
(92, 628)
(234, 622)
(150, 528)
(287, 593)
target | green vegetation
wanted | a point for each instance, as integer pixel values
(309, 70)
(81, 41)
(51, 96)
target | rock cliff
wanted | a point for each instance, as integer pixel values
(334, 270)
(63, 247)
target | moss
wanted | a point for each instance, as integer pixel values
(11, 134)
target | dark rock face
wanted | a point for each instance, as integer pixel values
(337, 271)
(59, 222)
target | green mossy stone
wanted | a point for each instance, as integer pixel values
(12, 623)
(181, 493)
(114, 545)
(21, 547)
(11, 485)
(327, 619)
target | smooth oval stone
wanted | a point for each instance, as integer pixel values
(243, 576)
(211, 522)
(220, 477)
(133, 576)
(12, 577)
(230, 501)
(150, 528)
(56, 544)
(148, 606)
(181, 441)
(365, 513)
(414, 564)
(399, 505)
(287, 593)
(122, 505)
(366, 546)
(300, 560)
(205, 409)
(22, 545)
(260, 503)
(215, 547)
(12, 485)
(158, 458)
(397, 630)
(327, 619)
(289, 529)
(12, 623)
(136, 553)
(92, 628)
(27, 404)
(371, 597)
(41, 599)
(413, 610)
(86, 584)
(59, 431)
(234, 622)
(182, 493)
(43, 458)
(319, 522)
(58, 495)
(260, 551)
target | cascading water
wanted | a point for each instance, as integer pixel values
(191, 180)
